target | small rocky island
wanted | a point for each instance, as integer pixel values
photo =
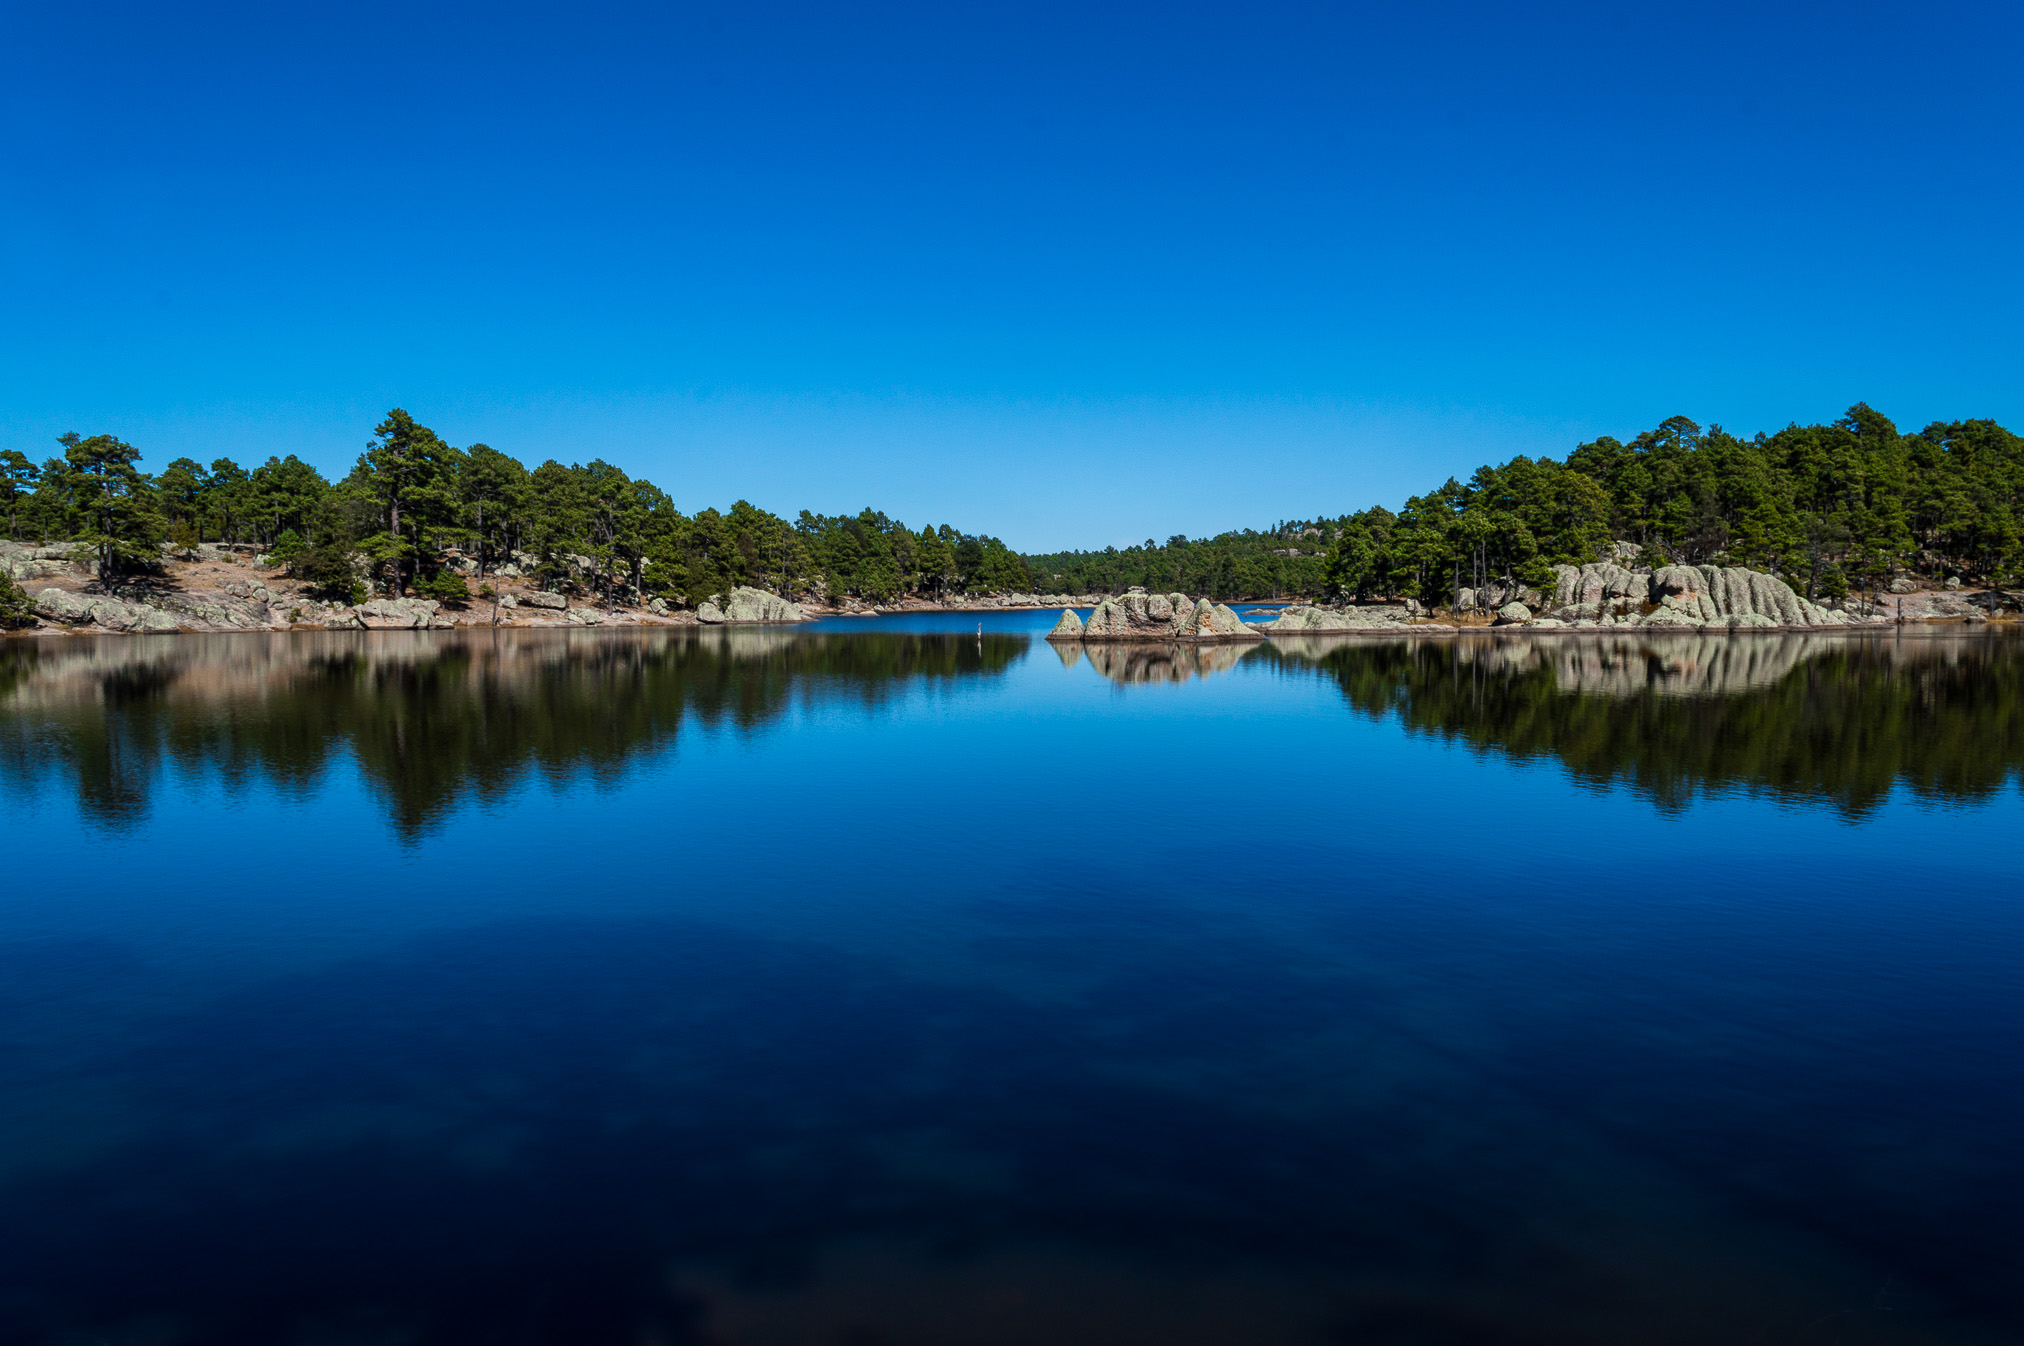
(1139, 616)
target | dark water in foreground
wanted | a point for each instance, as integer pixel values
(888, 984)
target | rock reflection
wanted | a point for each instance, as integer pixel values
(1837, 718)
(1161, 663)
(432, 718)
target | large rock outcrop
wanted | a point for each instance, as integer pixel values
(1138, 615)
(1068, 628)
(60, 605)
(1607, 594)
(756, 605)
(748, 605)
(1732, 597)
(399, 614)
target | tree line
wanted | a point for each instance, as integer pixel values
(1832, 509)
(415, 512)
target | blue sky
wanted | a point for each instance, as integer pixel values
(1075, 275)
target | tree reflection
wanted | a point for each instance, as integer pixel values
(432, 719)
(1839, 719)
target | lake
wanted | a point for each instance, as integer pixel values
(889, 981)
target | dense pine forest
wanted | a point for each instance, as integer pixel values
(413, 501)
(1830, 508)
(1833, 509)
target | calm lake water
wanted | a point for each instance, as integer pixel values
(881, 982)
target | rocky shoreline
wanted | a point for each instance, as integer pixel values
(219, 589)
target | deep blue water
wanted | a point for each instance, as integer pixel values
(881, 982)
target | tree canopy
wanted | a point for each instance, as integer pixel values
(1830, 508)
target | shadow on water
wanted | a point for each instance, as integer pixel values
(432, 719)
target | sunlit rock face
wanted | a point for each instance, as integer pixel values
(1608, 594)
(1138, 615)
(756, 605)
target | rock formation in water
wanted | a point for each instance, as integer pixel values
(1068, 628)
(1138, 615)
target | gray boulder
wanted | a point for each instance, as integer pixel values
(710, 614)
(1732, 597)
(1596, 588)
(1068, 628)
(110, 613)
(553, 602)
(1901, 585)
(1219, 621)
(756, 605)
(585, 617)
(1138, 615)
(399, 614)
(1512, 614)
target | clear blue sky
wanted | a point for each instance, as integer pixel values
(1074, 275)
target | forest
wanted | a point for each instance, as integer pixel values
(1832, 509)
(412, 502)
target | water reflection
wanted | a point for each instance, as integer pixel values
(1160, 663)
(428, 716)
(434, 719)
(1836, 719)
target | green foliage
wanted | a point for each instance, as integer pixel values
(444, 585)
(18, 479)
(1833, 509)
(16, 609)
(326, 564)
(411, 499)
(1829, 508)
(112, 507)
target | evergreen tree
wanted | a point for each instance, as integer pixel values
(18, 478)
(409, 476)
(117, 517)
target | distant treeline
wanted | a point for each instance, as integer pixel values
(412, 499)
(1830, 508)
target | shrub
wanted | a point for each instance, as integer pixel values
(445, 586)
(328, 570)
(16, 610)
